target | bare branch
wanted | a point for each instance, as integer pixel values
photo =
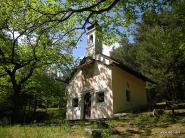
(28, 75)
(69, 9)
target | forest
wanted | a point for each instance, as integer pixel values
(158, 52)
(37, 39)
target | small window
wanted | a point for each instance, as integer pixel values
(75, 102)
(100, 97)
(127, 95)
(91, 39)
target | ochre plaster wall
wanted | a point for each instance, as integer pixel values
(122, 80)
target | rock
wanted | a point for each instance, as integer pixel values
(158, 112)
(74, 127)
(93, 132)
(118, 115)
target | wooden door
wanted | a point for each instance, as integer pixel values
(87, 106)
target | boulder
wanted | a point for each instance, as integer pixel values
(95, 133)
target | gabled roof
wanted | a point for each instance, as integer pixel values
(85, 61)
(128, 69)
(89, 60)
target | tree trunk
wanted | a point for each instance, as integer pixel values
(35, 108)
(29, 105)
(17, 103)
(16, 99)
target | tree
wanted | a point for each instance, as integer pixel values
(35, 35)
(158, 51)
(50, 87)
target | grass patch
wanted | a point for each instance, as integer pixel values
(146, 125)
(131, 125)
(35, 131)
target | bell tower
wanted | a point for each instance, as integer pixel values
(94, 40)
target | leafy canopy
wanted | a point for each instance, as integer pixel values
(158, 51)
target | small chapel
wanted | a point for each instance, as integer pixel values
(101, 87)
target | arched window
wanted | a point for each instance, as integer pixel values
(127, 95)
(91, 39)
(127, 92)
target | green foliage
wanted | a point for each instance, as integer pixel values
(157, 52)
(131, 125)
(34, 131)
(46, 90)
(36, 36)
